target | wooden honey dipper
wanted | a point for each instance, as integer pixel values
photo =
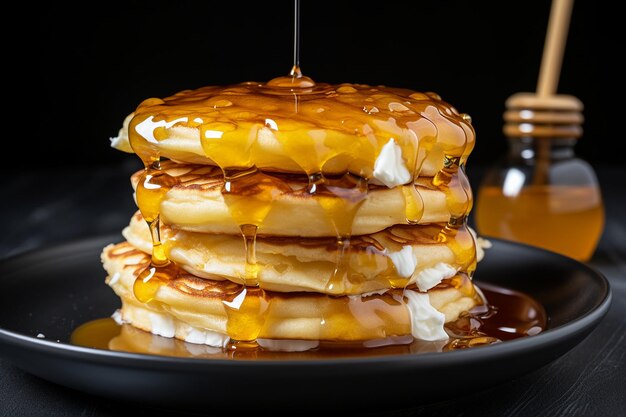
(545, 114)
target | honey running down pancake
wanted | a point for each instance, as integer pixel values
(202, 311)
(196, 203)
(396, 257)
(297, 210)
(326, 129)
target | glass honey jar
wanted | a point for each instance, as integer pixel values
(540, 193)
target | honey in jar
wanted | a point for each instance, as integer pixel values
(541, 194)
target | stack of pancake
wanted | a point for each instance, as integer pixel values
(289, 213)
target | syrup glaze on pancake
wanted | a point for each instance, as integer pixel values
(315, 125)
(304, 128)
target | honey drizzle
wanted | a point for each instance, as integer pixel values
(367, 258)
(248, 194)
(152, 187)
(328, 119)
(232, 121)
(340, 199)
(246, 310)
(456, 234)
(414, 204)
(452, 180)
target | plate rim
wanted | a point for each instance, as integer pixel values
(434, 359)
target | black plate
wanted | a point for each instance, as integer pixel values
(52, 291)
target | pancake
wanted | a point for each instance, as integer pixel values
(196, 203)
(400, 255)
(303, 129)
(194, 309)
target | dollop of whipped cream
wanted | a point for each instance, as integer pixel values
(426, 322)
(121, 141)
(114, 279)
(162, 325)
(117, 317)
(389, 167)
(376, 292)
(147, 127)
(431, 277)
(206, 337)
(404, 260)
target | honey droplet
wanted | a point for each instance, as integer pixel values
(221, 103)
(152, 187)
(459, 239)
(450, 168)
(249, 232)
(295, 79)
(346, 89)
(413, 203)
(149, 281)
(246, 310)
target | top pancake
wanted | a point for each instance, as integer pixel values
(388, 135)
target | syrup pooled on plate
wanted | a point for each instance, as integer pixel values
(511, 315)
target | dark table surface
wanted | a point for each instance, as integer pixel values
(41, 209)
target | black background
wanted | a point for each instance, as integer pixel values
(79, 70)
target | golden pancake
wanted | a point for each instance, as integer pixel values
(302, 129)
(397, 256)
(200, 311)
(196, 203)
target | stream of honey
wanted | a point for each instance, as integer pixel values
(510, 315)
